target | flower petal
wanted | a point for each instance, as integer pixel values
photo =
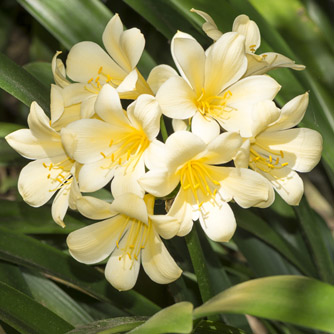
(157, 262)
(177, 99)
(154, 155)
(206, 128)
(94, 243)
(121, 271)
(58, 71)
(166, 225)
(180, 124)
(301, 147)
(225, 63)
(241, 159)
(60, 205)
(217, 220)
(160, 74)
(94, 208)
(85, 60)
(209, 26)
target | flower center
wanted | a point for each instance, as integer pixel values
(214, 106)
(61, 173)
(136, 238)
(265, 159)
(94, 84)
(129, 149)
(196, 176)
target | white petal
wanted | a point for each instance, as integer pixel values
(209, 26)
(241, 159)
(245, 94)
(87, 109)
(244, 26)
(94, 243)
(121, 271)
(292, 113)
(57, 103)
(301, 147)
(85, 60)
(287, 183)
(127, 89)
(177, 99)
(87, 140)
(76, 93)
(225, 64)
(206, 128)
(95, 176)
(60, 205)
(223, 148)
(180, 124)
(153, 153)
(94, 208)
(158, 75)
(217, 220)
(166, 225)
(125, 47)
(189, 58)
(108, 106)
(58, 70)
(136, 210)
(158, 263)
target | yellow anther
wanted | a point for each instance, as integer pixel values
(100, 70)
(108, 78)
(270, 159)
(90, 80)
(282, 154)
(98, 85)
(97, 79)
(285, 164)
(44, 164)
(49, 175)
(112, 157)
(104, 156)
(50, 167)
(111, 142)
(120, 161)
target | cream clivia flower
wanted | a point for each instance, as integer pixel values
(53, 171)
(130, 235)
(257, 64)
(277, 151)
(210, 90)
(206, 187)
(119, 139)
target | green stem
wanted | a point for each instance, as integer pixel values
(198, 261)
(163, 129)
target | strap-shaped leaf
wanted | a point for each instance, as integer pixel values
(299, 300)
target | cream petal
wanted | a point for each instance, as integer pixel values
(85, 60)
(60, 205)
(76, 93)
(177, 99)
(189, 58)
(159, 182)
(34, 185)
(58, 70)
(241, 159)
(87, 140)
(223, 148)
(209, 26)
(158, 263)
(136, 210)
(182, 210)
(31, 147)
(95, 176)
(108, 106)
(180, 124)
(301, 147)
(245, 186)
(217, 220)
(75, 193)
(292, 113)
(128, 88)
(287, 183)
(125, 47)
(225, 63)
(244, 95)
(206, 128)
(87, 108)
(146, 112)
(94, 208)
(121, 271)
(244, 26)
(159, 75)
(154, 155)
(264, 114)
(94, 243)
(166, 225)
(57, 103)
(181, 147)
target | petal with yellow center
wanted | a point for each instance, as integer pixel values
(205, 127)
(94, 243)
(157, 262)
(159, 75)
(78, 92)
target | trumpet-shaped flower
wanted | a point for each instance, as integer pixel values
(257, 64)
(206, 187)
(210, 90)
(119, 139)
(277, 151)
(52, 171)
(130, 235)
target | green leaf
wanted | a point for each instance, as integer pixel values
(59, 266)
(7, 128)
(41, 71)
(55, 299)
(22, 85)
(212, 327)
(173, 319)
(114, 325)
(311, 224)
(27, 316)
(299, 300)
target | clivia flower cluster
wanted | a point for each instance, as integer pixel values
(231, 142)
